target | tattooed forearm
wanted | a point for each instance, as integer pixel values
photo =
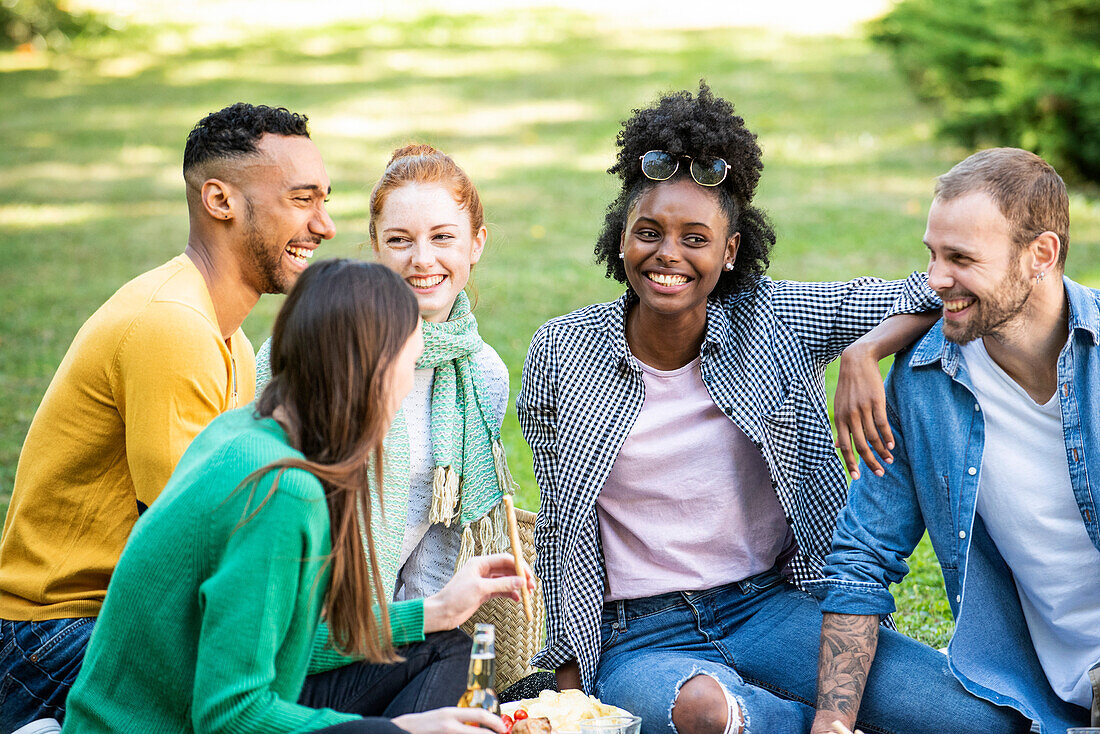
(848, 643)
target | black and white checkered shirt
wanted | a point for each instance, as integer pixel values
(762, 359)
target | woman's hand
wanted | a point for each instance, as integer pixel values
(859, 410)
(859, 404)
(481, 579)
(450, 721)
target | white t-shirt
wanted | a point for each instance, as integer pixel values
(1027, 503)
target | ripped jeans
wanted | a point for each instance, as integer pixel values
(759, 639)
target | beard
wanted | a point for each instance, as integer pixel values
(265, 257)
(990, 313)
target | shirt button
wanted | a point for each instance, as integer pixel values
(958, 599)
(962, 533)
(977, 408)
(971, 471)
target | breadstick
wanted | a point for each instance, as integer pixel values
(513, 533)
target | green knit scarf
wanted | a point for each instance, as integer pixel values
(471, 472)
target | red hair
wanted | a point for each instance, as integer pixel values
(419, 163)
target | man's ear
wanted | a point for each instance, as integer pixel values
(216, 199)
(1046, 248)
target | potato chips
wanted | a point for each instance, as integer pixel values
(565, 710)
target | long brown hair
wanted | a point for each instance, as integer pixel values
(332, 351)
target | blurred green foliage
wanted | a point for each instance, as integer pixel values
(44, 23)
(1023, 73)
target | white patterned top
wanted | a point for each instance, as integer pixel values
(429, 551)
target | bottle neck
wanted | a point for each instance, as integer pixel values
(482, 672)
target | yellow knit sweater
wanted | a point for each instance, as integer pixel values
(143, 376)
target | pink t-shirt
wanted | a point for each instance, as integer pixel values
(688, 504)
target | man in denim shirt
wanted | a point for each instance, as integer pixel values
(996, 420)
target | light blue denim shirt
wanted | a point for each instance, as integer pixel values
(933, 483)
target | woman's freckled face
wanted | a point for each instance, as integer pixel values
(675, 246)
(427, 238)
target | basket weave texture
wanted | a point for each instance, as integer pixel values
(517, 641)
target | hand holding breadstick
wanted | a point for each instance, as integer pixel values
(480, 579)
(839, 728)
(517, 552)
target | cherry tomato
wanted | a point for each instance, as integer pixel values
(508, 722)
(520, 715)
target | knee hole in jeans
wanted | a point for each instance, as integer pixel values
(703, 707)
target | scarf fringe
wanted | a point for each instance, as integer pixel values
(444, 495)
(466, 550)
(504, 474)
(485, 536)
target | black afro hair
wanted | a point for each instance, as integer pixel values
(699, 125)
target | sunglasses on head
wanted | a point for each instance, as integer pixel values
(706, 170)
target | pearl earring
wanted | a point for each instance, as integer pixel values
(729, 266)
(622, 256)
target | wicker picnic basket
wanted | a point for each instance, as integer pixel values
(516, 640)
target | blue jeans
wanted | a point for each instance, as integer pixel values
(759, 639)
(39, 662)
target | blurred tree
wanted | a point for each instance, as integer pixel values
(1024, 73)
(44, 23)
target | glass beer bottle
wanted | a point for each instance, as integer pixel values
(481, 680)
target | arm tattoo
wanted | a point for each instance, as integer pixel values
(848, 643)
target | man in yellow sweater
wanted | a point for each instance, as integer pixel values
(158, 361)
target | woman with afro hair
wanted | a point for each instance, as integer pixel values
(681, 443)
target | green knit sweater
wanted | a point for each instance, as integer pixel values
(207, 626)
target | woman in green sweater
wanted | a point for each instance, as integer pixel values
(212, 614)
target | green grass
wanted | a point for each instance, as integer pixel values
(529, 102)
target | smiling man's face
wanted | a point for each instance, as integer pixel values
(974, 267)
(285, 188)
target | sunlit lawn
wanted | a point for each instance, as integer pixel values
(528, 102)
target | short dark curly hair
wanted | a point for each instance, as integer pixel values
(234, 131)
(699, 125)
